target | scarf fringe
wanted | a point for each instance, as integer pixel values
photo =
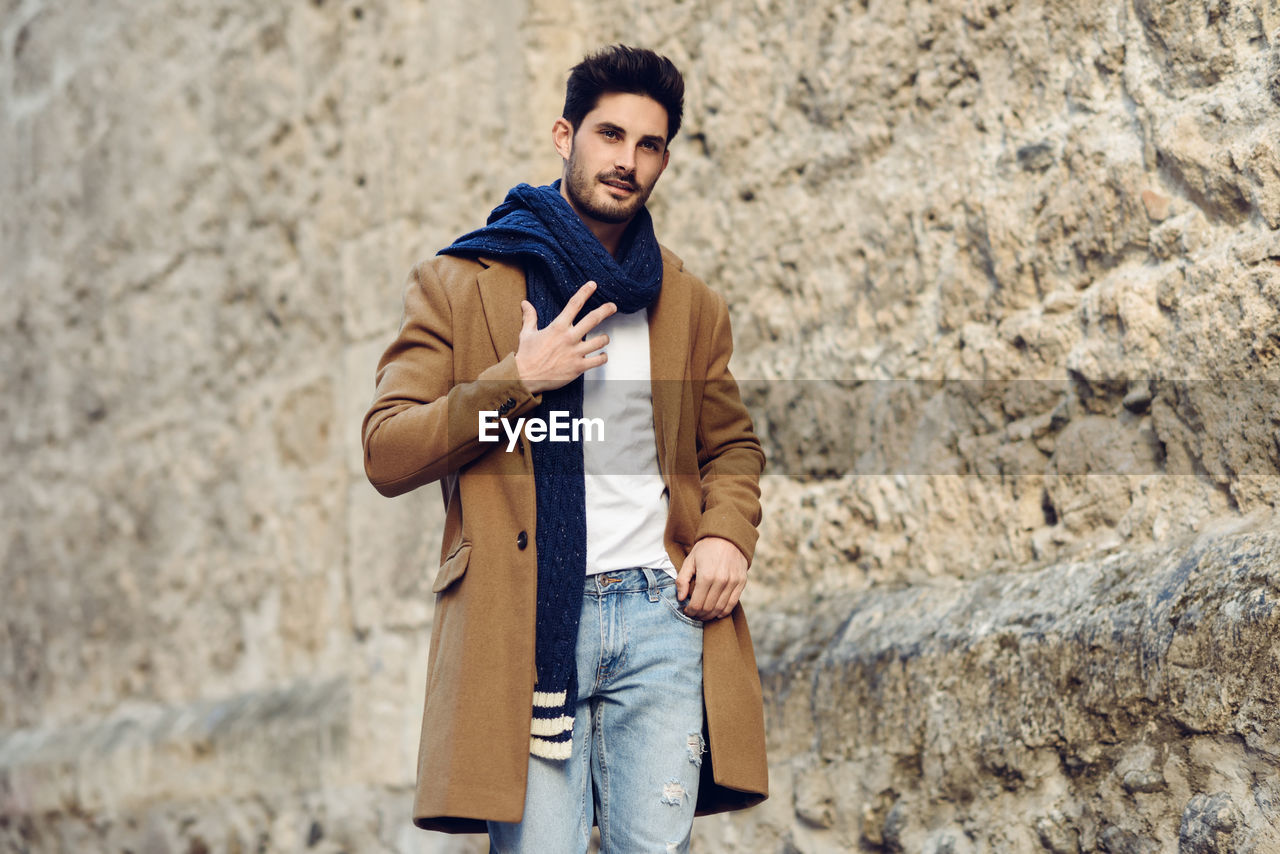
(551, 726)
(550, 749)
(549, 699)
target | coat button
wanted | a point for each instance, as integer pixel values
(522, 540)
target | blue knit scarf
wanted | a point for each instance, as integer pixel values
(535, 226)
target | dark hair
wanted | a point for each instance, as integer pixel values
(634, 70)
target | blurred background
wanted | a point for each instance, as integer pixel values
(1005, 285)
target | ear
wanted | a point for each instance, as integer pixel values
(666, 156)
(562, 137)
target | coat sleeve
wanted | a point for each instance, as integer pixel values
(730, 458)
(423, 424)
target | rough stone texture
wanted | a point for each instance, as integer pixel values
(1133, 697)
(1005, 277)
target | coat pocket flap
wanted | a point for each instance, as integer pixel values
(453, 568)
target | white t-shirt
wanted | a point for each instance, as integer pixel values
(625, 496)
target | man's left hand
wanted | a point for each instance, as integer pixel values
(715, 573)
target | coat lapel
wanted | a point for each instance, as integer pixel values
(669, 325)
(501, 289)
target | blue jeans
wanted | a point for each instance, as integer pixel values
(637, 729)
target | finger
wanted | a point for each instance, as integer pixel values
(732, 593)
(717, 605)
(593, 344)
(576, 302)
(589, 362)
(697, 606)
(684, 577)
(528, 316)
(711, 596)
(593, 318)
(727, 594)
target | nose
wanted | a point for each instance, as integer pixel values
(624, 159)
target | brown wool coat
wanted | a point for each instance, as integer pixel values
(454, 357)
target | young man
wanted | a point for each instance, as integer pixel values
(587, 599)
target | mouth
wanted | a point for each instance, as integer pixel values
(624, 187)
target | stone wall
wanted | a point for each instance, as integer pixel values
(1005, 281)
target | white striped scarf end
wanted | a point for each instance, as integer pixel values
(551, 726)
(549, 699)
(550, 749)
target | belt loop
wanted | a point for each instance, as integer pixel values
(654, 594)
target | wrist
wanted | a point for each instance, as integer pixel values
(523, 373)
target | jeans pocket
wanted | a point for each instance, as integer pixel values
(673, 605)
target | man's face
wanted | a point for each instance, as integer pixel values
(615, 158)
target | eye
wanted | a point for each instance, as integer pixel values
(652, 146)
(609, 133)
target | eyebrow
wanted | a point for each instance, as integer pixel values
(652, 137)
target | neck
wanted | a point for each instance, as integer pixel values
(608, 233)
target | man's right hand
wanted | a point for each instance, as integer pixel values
(557, 354)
